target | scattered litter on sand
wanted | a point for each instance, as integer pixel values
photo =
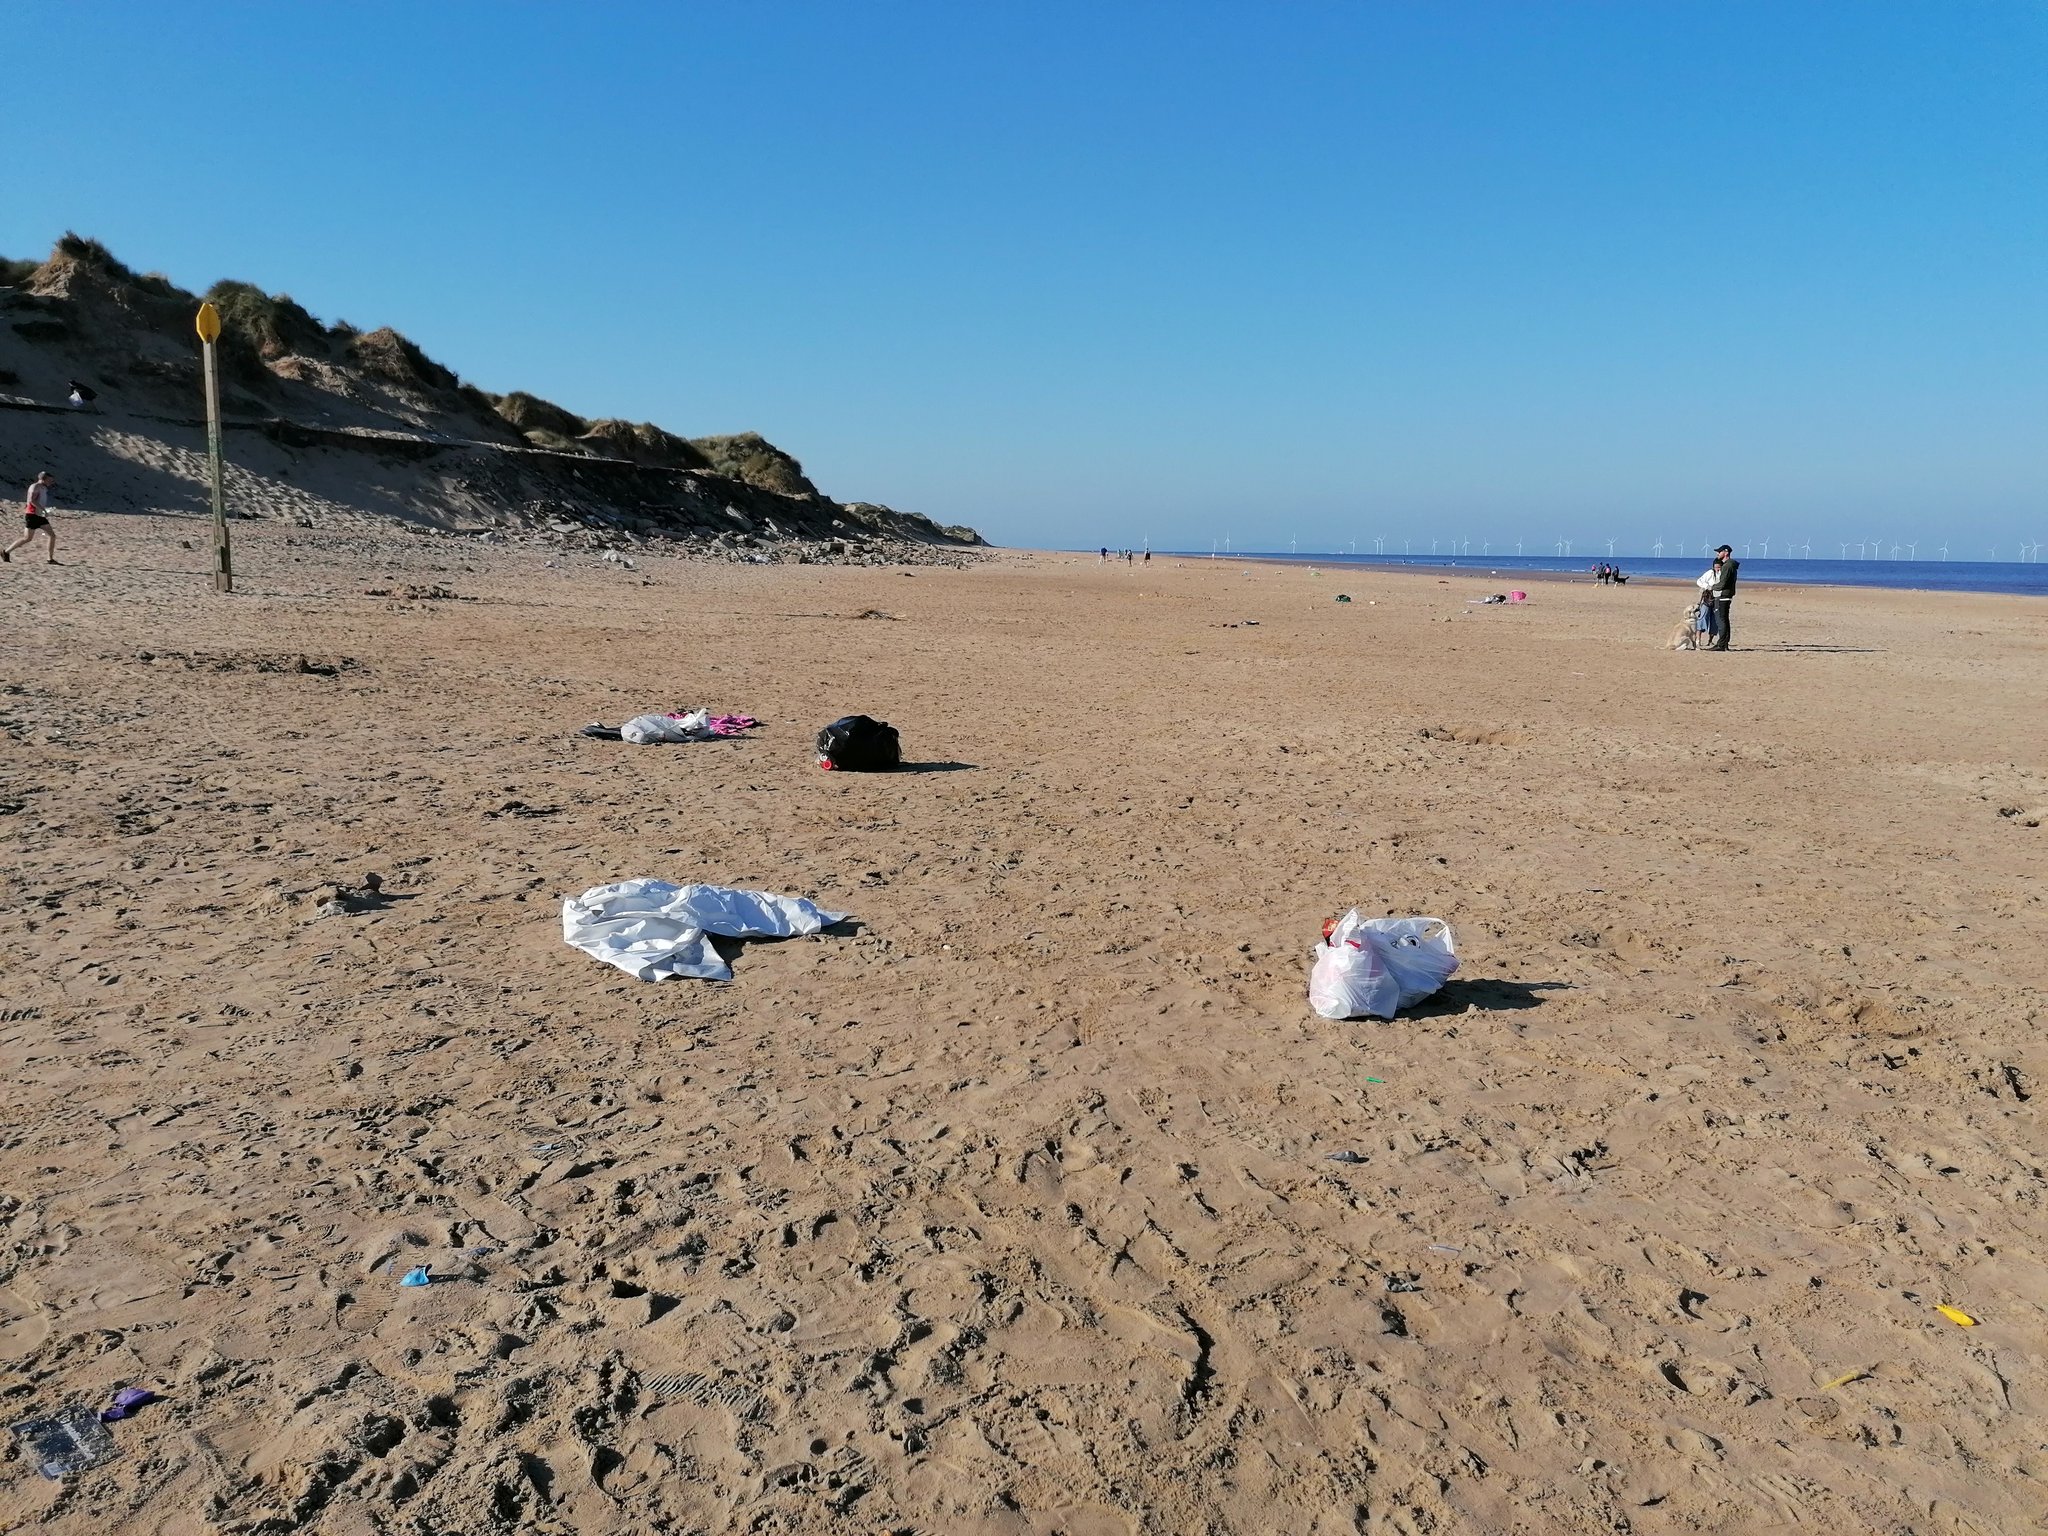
(677, 725)
(1374, 967)
(654, 930)
(337, 899)
(70, 1440)
(127, 1402)
(1957, 1316)
(860, 744)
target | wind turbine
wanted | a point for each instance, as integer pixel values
(1845, 551)
(1404, 548)
(1806, 551)
(1944, 551)
(1560, 546)
(1895, 549)
(1610, 549)
(1859, 549)
(1763, 550)
(1657, 549)
(1466, 549)
(1913, 551)
(1432, 546)
(1518, 546)
(1873, 549)
(1486, 549)
(1379, 545)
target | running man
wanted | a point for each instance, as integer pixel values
(36, 514)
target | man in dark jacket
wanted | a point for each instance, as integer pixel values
(1723, 592)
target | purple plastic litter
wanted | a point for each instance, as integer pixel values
(126, 1401)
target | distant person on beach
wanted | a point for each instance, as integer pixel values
(36, 515)
(1148, 557)
(1723, 592)
(1105, 553)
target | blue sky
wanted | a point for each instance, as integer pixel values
(1085, 273)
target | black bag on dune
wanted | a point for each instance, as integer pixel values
(858, 744)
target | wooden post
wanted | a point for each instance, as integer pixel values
(223, 565)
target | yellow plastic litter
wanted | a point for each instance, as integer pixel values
(1961, 1319)
(1844, 1379)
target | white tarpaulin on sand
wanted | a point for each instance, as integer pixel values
(654, 930)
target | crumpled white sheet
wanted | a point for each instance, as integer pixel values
(655, 929)
(647, 730)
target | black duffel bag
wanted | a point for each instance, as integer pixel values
(858, 744)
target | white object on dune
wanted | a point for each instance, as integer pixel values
(646, 730)
(1374, 967)
(655, 929)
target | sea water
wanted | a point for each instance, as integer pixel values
(2028, 578)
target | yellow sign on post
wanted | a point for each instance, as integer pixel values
(208, 326)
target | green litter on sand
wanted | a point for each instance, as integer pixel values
(1380, 1080)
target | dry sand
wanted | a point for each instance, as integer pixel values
(1013, 1211)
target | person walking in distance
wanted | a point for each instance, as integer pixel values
(1723, 592)
(36, 515)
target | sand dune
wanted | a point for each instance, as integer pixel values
(1011, 1209)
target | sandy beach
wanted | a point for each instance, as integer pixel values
(1011, 1209)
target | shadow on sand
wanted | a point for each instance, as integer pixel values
(1811, 650)
(1487, 994)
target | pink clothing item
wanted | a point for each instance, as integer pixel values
(720, 725)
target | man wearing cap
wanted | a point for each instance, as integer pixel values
(36, 514)
(1723, 593)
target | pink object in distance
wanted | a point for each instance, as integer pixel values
(1518, 597)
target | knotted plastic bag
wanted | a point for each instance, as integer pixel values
(1374, 967)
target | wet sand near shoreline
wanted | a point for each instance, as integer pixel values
(1012, 1208)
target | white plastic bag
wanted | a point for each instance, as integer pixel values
(1418, 950)
(1374, 967)
(646, 730)
(1350, 979)
(655, 930)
